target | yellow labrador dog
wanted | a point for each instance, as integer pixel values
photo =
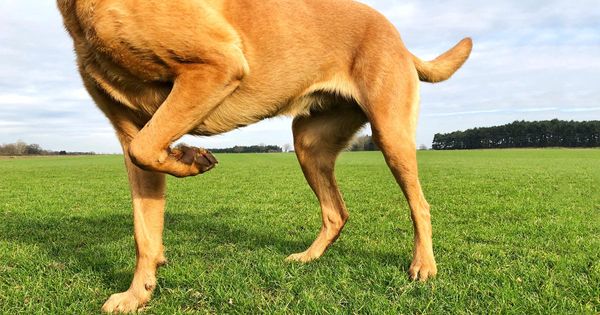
(162, 69)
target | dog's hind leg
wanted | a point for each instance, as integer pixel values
(318, 139)
(392, 109)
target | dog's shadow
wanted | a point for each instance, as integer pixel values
(96, 244)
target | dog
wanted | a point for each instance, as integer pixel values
(163, 69)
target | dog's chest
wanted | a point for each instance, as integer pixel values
(141, 95)
(131, 76)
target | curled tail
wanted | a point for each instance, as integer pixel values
(444, 66)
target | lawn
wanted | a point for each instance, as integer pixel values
(515, 231)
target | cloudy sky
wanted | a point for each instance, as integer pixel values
(532, 60)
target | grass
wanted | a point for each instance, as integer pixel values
(515, 231)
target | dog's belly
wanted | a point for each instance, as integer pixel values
(240, 109)
(246, 106)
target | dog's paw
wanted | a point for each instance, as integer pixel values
(303, 257)
(199, 160)
(422, 269)
(124, 302)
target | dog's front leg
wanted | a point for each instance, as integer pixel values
(197, 90)
(148, 195)
(148, 198)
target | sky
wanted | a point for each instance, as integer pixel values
(532, 60)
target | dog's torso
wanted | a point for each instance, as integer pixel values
(291, 53)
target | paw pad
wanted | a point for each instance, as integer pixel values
(202, 158)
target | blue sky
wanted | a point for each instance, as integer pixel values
(532, 60)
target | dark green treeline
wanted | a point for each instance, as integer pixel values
(523, 134)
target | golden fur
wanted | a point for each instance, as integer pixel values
(163, 69)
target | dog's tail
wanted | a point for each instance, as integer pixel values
(444, 66)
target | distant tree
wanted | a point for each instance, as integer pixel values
(422, 147)
(20, 148)
(8, 149)
(287, 147)
(33, 149)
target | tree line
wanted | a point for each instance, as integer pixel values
(362, 143)
(249, 149)
(366, 143)
(518, 134)
(21, 148)
(523, 134)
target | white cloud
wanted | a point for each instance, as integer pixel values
(17, 99)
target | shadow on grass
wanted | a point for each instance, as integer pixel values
(95, 244)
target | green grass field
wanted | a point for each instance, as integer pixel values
(515, 231)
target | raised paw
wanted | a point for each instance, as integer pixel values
(199, 158)
(124, 302)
